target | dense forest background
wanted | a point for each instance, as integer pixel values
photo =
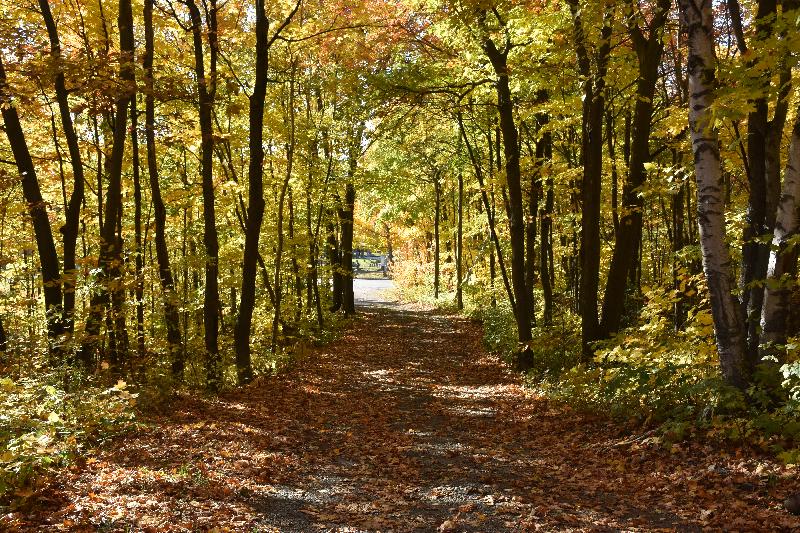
(611, 187)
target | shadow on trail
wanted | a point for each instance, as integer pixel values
(404, 424)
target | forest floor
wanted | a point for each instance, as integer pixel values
(404, 424)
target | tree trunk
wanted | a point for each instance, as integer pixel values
(73, 209)
(187, 219)
(772, 197)
(137, 227)
(629, 232)
(100, 167)
(677, 246)
(524, 359)
(170, 297)
(702, 62)
(255, 201)
(290, 147)
(782, 259)
(298, 280)
(277, 282)
(37, 207)
(755, 254)
(312, 277)
(592, 155)
(3, 340)
(346, 220)
(110, 241)
(611, 140)
(335, 260)
(459, 245)
(530, 233)
(489, 208)
(205, 90)
(545, 148)
(348, 297)
(436, 217)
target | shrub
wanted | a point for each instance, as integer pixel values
(42, 425)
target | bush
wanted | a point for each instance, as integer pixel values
(555, 348)
(42, 425)
(651, 372)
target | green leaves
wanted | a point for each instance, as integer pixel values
(42, 425)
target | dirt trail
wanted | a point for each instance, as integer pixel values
(405, 424)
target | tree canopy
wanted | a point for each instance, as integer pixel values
(611, 185)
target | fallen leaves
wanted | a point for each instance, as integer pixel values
(406, 423)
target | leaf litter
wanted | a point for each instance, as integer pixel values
(404, 424)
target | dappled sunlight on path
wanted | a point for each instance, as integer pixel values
(404, 424)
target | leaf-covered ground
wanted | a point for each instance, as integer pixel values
(405, 424)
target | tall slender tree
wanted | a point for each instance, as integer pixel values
(37, 208)
(255, 199)
(70, 228)
(505, 107)
(169, 296)
(206, 89)
(698, 19)
(255, 195)
(111, 295)
(594, 87)
(783, 258)
(648, 44)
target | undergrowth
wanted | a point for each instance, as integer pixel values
(44, 424)
(51, 416)
(656, 376)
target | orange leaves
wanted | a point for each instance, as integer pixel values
(406, 423)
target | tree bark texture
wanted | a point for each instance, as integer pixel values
(459, 244)
(761, 206)
(255, 200)
(698, 19)
(437, 203)
(544, 147)
(778, 289)
(72, 217)
(205, 91)
(592, 150)
(346, 217)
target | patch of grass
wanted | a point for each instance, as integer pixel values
(370, 275)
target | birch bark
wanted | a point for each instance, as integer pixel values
(777, 293)
(728, 324)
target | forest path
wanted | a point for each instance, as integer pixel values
(374, 293)
(404, 424)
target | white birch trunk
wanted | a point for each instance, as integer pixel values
(702, 61)
(778, 291)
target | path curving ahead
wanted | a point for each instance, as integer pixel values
(404, 424)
